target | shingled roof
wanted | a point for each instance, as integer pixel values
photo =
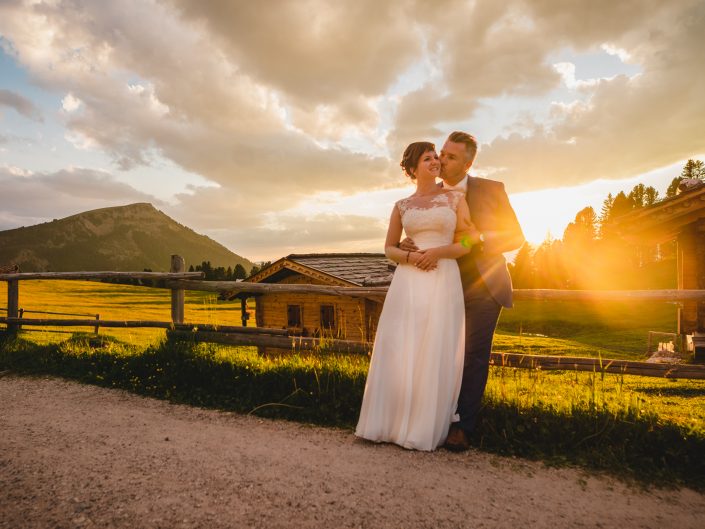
(351, 269)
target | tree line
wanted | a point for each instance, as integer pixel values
(219, 273)
(226, 274)
(592, 255)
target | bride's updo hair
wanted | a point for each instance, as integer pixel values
(412, 154)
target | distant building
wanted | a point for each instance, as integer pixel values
(344, 317)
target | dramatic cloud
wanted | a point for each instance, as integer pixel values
(629, 125)
(21, 104)
(32, 198)
(318, 233)
(275, 103)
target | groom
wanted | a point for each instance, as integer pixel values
(487, 286)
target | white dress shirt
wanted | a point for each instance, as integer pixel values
(460, 186)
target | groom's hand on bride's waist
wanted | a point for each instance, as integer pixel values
(408, 245)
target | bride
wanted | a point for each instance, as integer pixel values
(417, 360)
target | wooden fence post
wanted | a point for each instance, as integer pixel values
(177, 294)
(243, 311)
(13, 303)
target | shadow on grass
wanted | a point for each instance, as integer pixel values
(672, 392)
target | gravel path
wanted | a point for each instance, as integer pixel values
(73, 455)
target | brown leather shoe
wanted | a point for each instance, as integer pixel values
(457, 440)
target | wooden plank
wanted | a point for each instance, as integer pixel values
(514, 360)
(178, 295)
(101, 275)
(293, 343)
(230, 289)
(627, 367)
(608, 295)
(35, 322)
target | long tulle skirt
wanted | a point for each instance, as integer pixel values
(417, 362)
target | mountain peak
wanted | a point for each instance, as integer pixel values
(121, 238)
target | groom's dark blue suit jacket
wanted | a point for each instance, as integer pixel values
(493, 215)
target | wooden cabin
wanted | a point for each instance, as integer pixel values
(305, 314)
(681, 218)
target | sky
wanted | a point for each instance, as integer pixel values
(277, 127)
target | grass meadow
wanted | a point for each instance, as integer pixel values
(607, 329)
(648, 429)
(116, 302)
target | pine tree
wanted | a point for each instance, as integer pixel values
(638, 195)
(523, 273)
(650, 196)
(693, 169)
(672, 189)
(239, 272)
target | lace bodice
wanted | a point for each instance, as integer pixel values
(430, 220)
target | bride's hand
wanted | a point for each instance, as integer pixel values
(428, 260)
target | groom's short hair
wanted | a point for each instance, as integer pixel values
(469, 141)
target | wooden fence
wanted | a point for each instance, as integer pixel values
(179, 281)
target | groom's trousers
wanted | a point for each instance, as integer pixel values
(481, 316)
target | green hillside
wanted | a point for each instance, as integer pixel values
(124, 238)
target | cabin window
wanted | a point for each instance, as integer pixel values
(327, 317)
(294, 315)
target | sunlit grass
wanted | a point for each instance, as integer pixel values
(681, 402)
(607, 329)
(116, 302)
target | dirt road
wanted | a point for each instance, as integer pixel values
(73, 455)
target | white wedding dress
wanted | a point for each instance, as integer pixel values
(417, 360)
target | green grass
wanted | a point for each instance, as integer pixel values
(117, 302)
(616, 330)
(606, 329)
(649, 430)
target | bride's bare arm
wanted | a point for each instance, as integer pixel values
(465, 236)
(391, 249)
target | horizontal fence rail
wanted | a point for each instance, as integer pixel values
(231, 289)
(142, 323)
(179, 281)
(99, 275)
(598, 365)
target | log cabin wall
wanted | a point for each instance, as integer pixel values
(350, 314)
(373, 310)
(338, 316)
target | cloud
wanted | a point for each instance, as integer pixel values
(629, 125)
(315, 51)
(274, 104)
(20, 104)
(28, 198)
(70, 103)
(293, 233)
